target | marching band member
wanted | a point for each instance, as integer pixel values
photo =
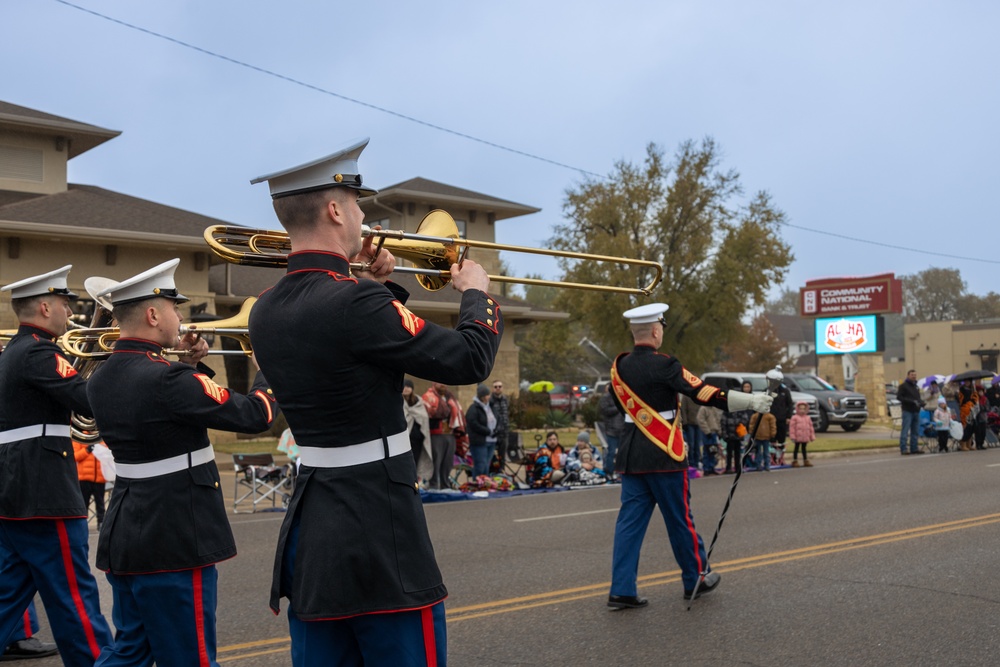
(354, 556)
(43, 520)
(166, 524)
(652, 456)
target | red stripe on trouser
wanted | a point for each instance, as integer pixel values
(430, 646)
(690, 525)
(74, 589)
(27, 624)
(199, 618)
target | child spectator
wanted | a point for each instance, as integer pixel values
(762, 438)
(91, 477)
(942, 423)
(800, 429)
(734, 427)
(575, 455)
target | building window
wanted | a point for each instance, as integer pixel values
(384, 222)
(461, 228)
(22, 164)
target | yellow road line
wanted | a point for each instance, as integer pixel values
(525, 602)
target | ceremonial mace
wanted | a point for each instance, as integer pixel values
(774, 378)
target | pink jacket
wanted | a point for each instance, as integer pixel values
(800, 429)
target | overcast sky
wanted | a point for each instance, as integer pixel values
(870, 120)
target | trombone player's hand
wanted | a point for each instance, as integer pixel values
(469, 275)
(380, 267)
(196, 344)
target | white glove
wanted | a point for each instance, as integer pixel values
(758, 402)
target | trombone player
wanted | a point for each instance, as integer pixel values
(166, 526)
(354, 556)
(43, 519)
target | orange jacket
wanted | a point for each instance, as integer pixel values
(88, 468)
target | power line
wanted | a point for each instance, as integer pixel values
(318, 89)
(890, 245)
(463, 135)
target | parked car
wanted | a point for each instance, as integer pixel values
(849, 409)
(561, 397)
(727, 380)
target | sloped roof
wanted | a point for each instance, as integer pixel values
(82, 136)
(424, 190)
(792, 328)
(82, 210)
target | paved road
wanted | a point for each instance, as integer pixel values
(868, 559)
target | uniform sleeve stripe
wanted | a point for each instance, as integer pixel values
(707, 392)
(267, 404)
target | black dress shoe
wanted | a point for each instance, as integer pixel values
(25, 649)
(626, 601)
(710, 583)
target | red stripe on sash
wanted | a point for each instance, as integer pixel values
(27, 624)
(74, 589)
(199, 617)
(430, 646)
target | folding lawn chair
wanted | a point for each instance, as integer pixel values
(260, 479)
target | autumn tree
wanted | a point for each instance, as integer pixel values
(757, 350)
(549, 350)
(786, 303)
(932, 295)
(721, 253)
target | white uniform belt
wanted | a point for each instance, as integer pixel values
(666, 414)
(34, 431)
(164, 466)
(352, 455)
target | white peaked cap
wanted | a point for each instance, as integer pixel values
(647, 314)
(336, 169)
(53, 282)
(156, 282)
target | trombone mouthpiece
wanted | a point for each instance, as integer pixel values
(366, 231)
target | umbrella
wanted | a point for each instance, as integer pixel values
(971, 375)
(540, 386)
(925, 383)
(995, 380)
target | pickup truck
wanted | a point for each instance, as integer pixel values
(727, 380)
(836, 406)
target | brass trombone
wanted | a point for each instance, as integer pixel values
(432, 249)
(99, 342)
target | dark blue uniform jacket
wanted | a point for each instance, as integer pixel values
(149, 409)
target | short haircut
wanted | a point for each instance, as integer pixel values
(910, 371)
(26, 306)
(551, 433)
(643, 330)
(130, 314)
(301, 212)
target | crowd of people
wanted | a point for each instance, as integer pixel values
(963, 411)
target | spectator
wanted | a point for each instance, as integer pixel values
(734, 428)
(573, 457)
(942, 424)
(993, 395)
(979, 416)
(501, 410)
(908, 395)
(800, 430)
(762, 439)
(782, 409)
(546, 469)
(950, 393)
(481, 426)
(710, 424)
(92, 482)
(437, 399)
(692, 433)
(929, 395)
(418, 425)
(612, 422)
